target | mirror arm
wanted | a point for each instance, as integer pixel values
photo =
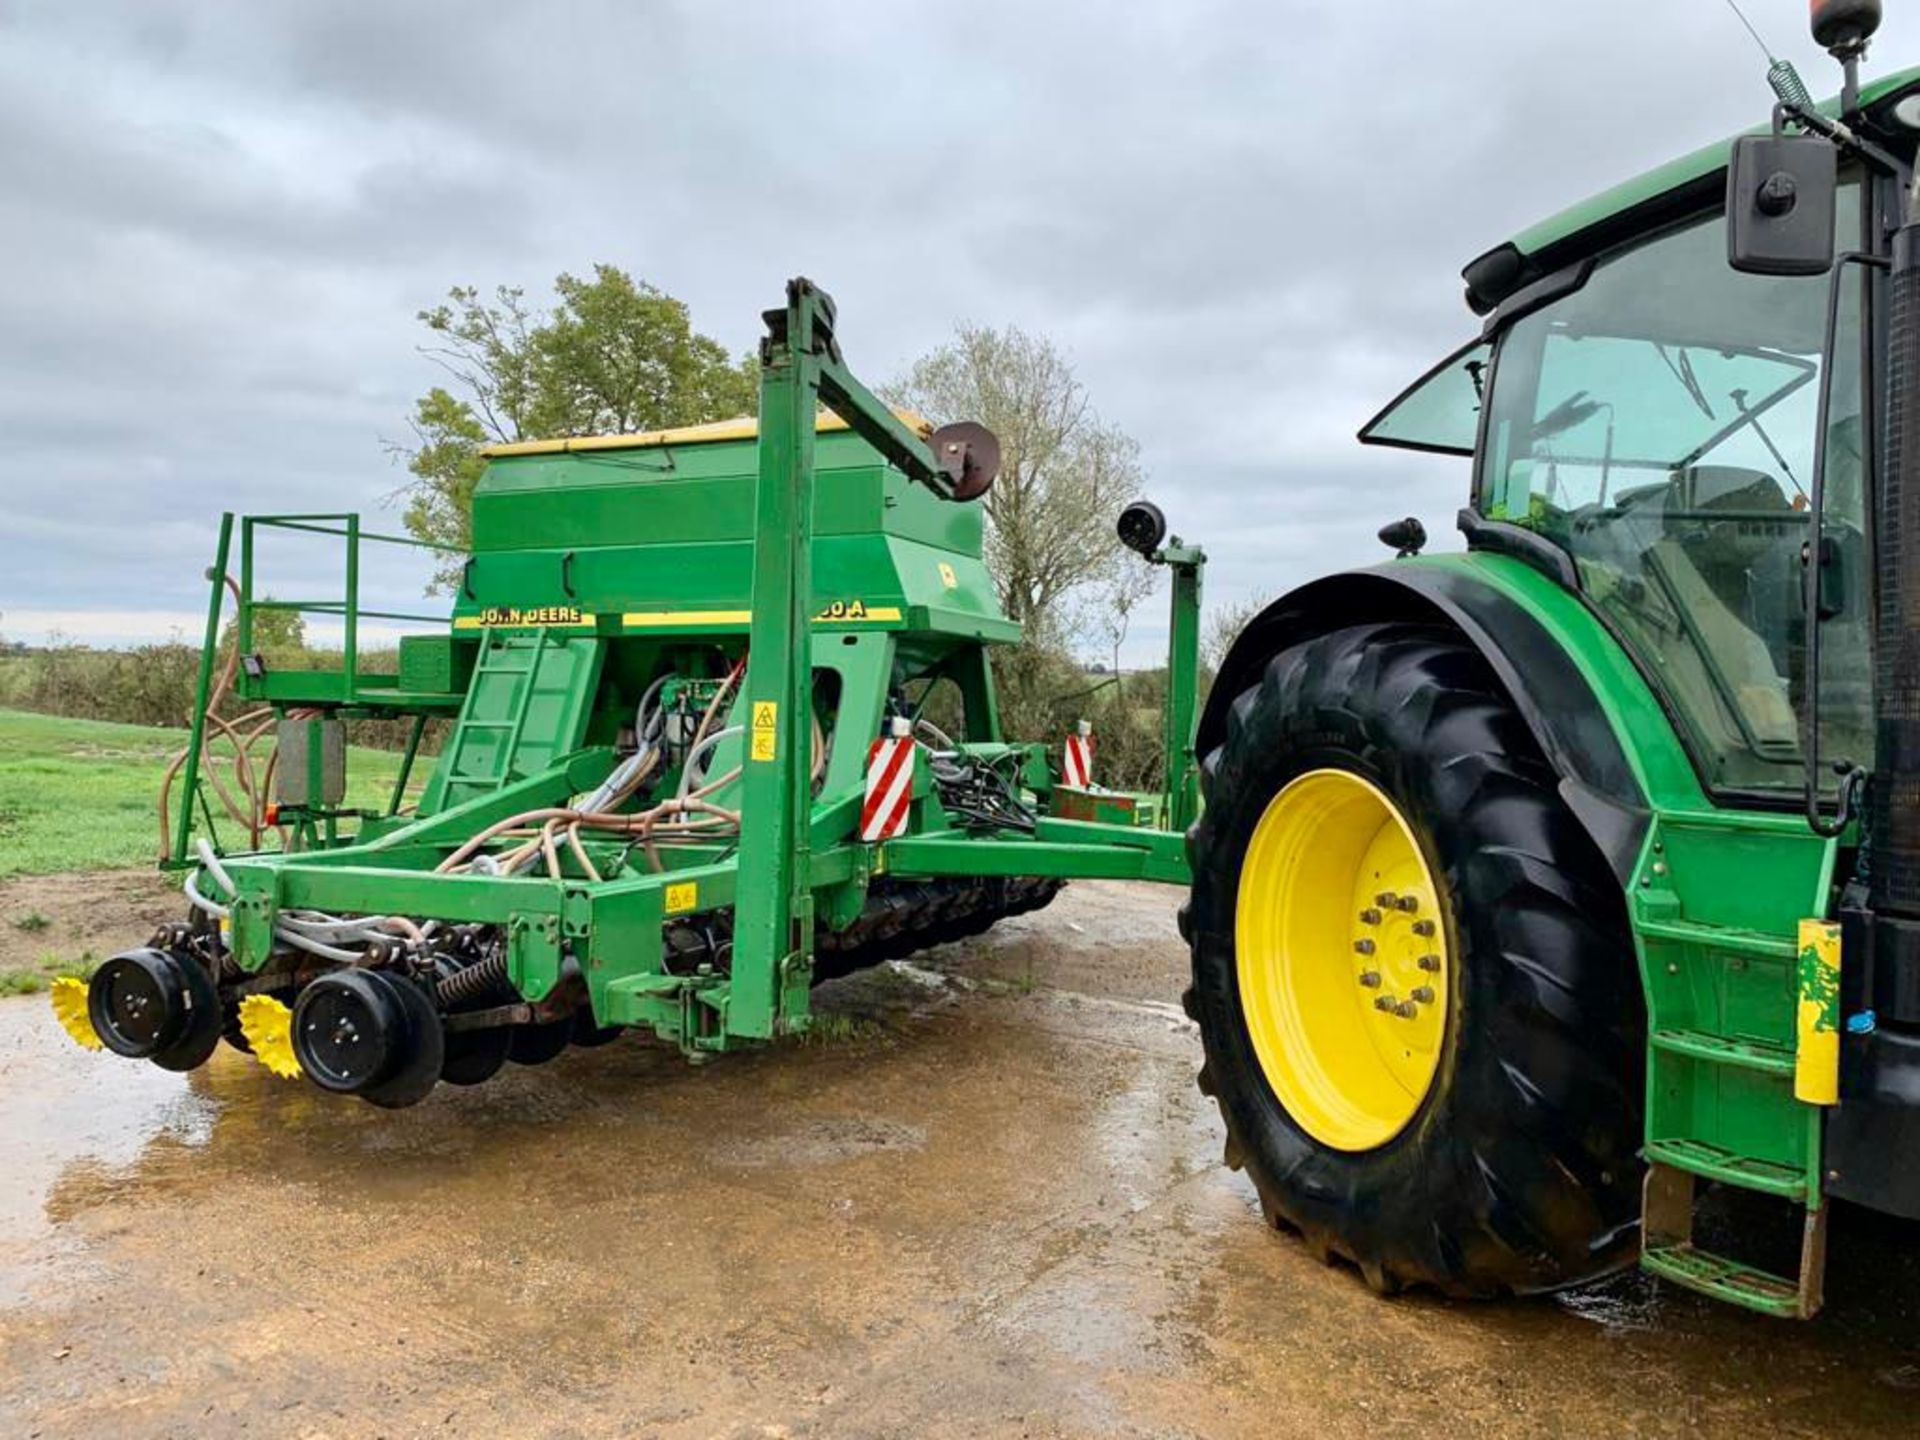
(1843, 138)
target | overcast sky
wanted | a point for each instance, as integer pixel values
(1244, 221)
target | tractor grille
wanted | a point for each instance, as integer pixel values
(1895, 810)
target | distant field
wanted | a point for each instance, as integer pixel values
(80, 794)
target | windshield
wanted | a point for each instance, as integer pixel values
(1660, 424)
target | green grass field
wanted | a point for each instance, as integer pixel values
(80, 794)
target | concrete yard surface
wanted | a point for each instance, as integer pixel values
(985, 1199)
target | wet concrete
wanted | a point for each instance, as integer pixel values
(989, 1206)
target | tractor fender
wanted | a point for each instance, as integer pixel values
(1553, 697)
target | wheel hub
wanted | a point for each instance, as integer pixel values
(348, 1032)
(138, 1003)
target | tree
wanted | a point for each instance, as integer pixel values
(613, 355)
(277, 634)
(1064, 474)
(1222, 627)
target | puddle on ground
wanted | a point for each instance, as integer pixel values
(995, 1214)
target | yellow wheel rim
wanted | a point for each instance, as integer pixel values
(1342, 958)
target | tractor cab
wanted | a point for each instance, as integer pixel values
(1649, 424)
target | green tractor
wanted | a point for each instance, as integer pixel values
(1537, 884)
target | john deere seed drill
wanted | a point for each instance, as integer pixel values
(686, 771)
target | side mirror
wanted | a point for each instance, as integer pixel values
(1780, 205)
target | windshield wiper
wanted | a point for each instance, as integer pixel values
(1683, 372)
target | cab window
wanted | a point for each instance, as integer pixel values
(1660, 424)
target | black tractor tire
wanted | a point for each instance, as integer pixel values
(1519, 1171)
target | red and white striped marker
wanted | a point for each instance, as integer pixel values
(1077, 770)
(889, 784)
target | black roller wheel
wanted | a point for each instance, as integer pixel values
(537, 1044)
(155, 1005)
(474, 1056)
(368, 1033)
(589, 1036)
(1413, 974)
(414, 1080)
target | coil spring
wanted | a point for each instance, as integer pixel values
(474, 980)
(1788, 86)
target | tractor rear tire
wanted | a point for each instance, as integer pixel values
(1511, 1164)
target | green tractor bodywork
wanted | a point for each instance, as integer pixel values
(803, 584)
(1645, 426)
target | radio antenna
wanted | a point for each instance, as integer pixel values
(1741, 15)
(1788, 87)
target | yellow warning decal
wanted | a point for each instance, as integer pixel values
(683, 897)
(766, 721)
(947, 577)
(507, 615)
(1816, 1061)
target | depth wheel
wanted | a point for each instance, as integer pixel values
(589, 1036)
(1413, 975)
(156, 1005)
(371, 1034)
(474, 1056)
(538, 1043)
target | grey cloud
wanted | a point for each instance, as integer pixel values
(1245, 221)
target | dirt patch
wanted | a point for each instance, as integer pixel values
(820, 1142)
(1004, 1217)
(51, 921)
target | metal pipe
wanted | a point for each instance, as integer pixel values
(406, 763)
(210, 644)
(352, 618)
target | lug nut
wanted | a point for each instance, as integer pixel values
(1424, 928)
(1370, 979)
(1385, 1002)
(1369, 917)
(1386, 900)
(1408, 903)
(1363, 947)
(1429, 963)
(1406, 1010)
(1423, 994)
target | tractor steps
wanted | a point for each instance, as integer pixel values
(1721, 937)
(1668, 1249)
(1759, 1055)
(1717, 903)
(1722, 1279)
(1714, 1162)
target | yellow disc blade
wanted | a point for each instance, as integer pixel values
(268, 1026)
(69, 998)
